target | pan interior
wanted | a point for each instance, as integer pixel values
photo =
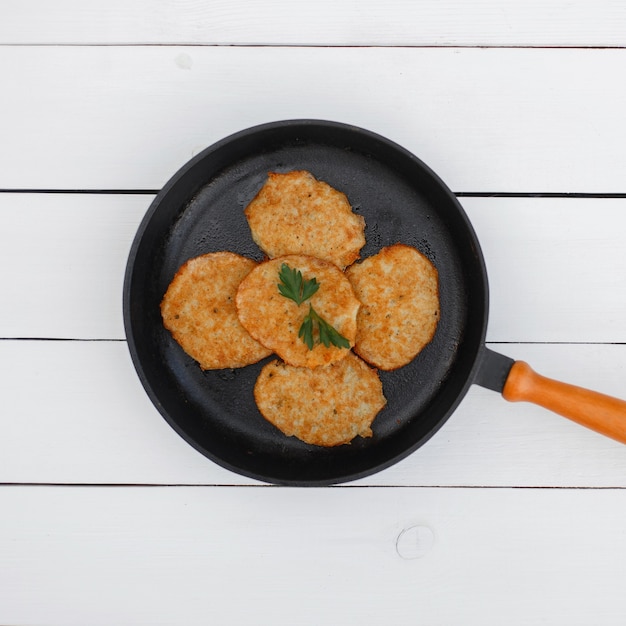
(201, 210)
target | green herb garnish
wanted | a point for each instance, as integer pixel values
(293, 286)
(327, 334)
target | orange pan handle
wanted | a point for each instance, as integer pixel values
(594, 410)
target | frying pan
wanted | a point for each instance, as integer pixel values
(402, 200)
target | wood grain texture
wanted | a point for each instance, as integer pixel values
(556, 265)
(548, 261)
(512, 515)
(486, 120)
(71, 251)
(228, 555)
(325, 22)
(75, 412)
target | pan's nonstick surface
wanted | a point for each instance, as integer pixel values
(201, 210)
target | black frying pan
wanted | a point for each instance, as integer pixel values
(201, 210)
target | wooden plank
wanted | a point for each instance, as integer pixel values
(326, 22)
(556, 266)
(71, 253)
(257, 556)
(548, 260)
(75, 412)
(487, 120)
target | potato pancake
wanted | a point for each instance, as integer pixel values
(199, 310)
(275, 320)
(326, 406)
(294, 213)
(399, 292)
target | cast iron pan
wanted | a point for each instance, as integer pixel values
(201, 210)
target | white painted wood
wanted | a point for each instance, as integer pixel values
(325, 22)
(556, 266)
(502, 550)
(233, 556)
(75, 412)
(62, 265)
(514, 120)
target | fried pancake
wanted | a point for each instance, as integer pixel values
(274, 320)
(399, 292)
(294, 213)
(199, 310)
(326, 406)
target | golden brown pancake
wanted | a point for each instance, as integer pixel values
(399, 292)
(326, 406)
(275, 321)
(294, 213)
(199, 310)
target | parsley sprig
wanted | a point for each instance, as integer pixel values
(327, 334)
(293, 286)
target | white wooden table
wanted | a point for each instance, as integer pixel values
(509, 515)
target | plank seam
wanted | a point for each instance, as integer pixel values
(175, 44)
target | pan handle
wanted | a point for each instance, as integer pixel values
(604, 414)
